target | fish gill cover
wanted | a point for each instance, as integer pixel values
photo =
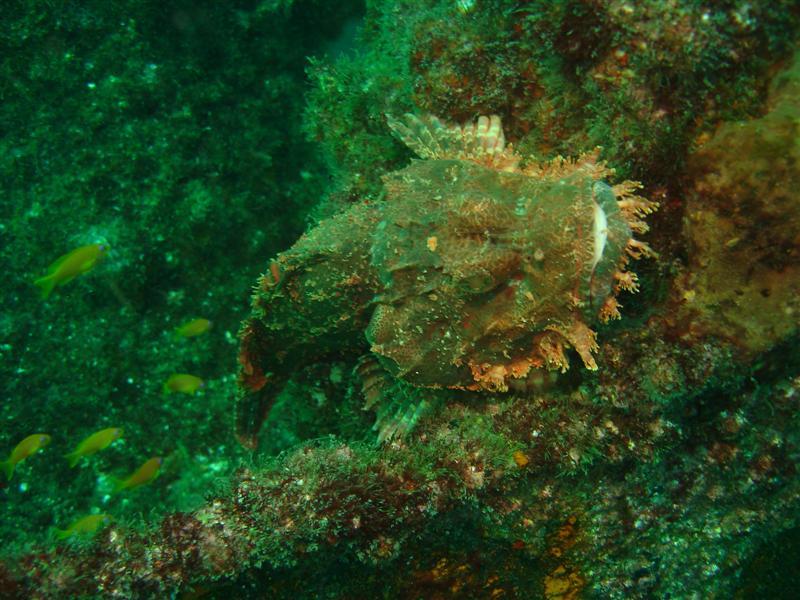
(442, 399)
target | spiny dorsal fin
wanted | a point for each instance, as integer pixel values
(560, 167)
(482, 141)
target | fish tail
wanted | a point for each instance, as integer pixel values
(119, 485)
(73, 458)
(61, 534)
(8, 468)
(47, 284)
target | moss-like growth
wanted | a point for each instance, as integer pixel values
(190, 138)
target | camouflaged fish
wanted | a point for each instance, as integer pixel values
(478, 268)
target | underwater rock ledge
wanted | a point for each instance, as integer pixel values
(540, 481)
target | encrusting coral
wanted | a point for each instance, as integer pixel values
(742, 282)
(479, 501)
(479, 266)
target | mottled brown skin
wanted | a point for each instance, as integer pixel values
(472, 272)
(481, 268)
(312, 303)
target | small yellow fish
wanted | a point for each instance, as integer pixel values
(183, 383)
(94, 443)
(85, 526)
(69, 266)
(193, 328)
(30, 445)
(144, 474)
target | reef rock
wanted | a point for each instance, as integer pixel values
(743, 227)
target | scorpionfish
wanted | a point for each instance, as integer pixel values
(477, 266)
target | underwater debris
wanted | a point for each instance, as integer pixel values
(478, 267)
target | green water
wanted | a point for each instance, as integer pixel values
(173, 151)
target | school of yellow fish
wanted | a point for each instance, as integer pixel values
(66, 268)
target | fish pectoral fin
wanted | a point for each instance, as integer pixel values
(397, 405)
